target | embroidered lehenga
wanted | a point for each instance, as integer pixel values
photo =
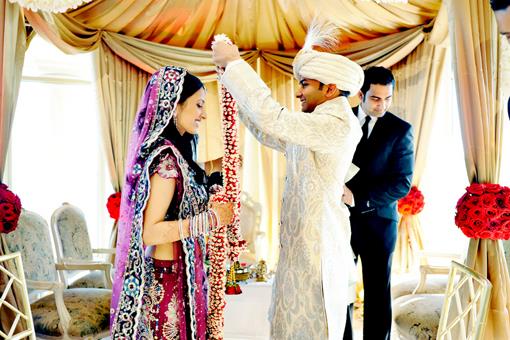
(159, 299)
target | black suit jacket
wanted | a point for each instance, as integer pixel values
(386, 162)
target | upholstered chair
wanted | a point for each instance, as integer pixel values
(250, 228)
(19, 324)
(432, 278)
(460, 313)
(66, 313)
(72, 243)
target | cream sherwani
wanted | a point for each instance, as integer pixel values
(311, 289)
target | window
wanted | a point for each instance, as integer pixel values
(56, 153)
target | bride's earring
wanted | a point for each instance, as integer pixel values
(175, 120)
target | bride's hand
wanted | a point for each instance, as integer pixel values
(224, 211)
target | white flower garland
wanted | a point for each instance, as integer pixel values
(55, 6)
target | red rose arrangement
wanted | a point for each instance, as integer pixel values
(113, 205)
(10, 209)
(412, 204)
(484, 212)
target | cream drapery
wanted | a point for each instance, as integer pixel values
(418, 79)
(141, 33)
(13, 41)
(384, 51)
(258, 24)
(120, 86)
(149, 56)
(14, 44)
(476, 51)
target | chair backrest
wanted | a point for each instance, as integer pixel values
(465, 306)
(70, 234)
(32, 239)
(11, 267)
(249, 220)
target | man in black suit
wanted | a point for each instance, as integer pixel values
(385, 157)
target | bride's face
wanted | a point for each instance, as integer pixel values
(189, 114)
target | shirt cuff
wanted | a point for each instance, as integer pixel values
(233, 63)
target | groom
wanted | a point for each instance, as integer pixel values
(385, 158)
(311, 287)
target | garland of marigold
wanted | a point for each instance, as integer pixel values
(226, 240)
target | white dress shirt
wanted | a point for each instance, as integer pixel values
(362, 117)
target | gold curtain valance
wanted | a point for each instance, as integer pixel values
(257, 24)
(149, 56)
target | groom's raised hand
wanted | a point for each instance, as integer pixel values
(224, 53)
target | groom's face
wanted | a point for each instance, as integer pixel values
(311, 93)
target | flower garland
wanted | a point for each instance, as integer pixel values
(55, 6)
(412, 204)
(227, 240)
(10, 209)
(484, 212)
(113, 205)
(217, 248)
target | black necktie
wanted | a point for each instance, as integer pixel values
(364, 128)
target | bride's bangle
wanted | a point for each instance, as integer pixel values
(214, 219)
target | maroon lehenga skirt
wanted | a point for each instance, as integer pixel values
(165, 304)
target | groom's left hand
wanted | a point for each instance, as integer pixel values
(224, 53)
(348, 197)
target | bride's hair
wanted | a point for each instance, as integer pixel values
(187, 143)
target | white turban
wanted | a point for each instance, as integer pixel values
(328, 68)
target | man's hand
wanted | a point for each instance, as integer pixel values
(224, 211)
(224, 53)
(348, 197)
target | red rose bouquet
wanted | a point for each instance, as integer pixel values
(10, 209)
(113, 205)
(412, 204)
(484, 212)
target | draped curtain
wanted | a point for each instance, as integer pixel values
(418, 80)
(14, 44)
(148, 35)
(476, 50)
(13, 40)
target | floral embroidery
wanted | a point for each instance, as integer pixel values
(167, 167)
(170, 327)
